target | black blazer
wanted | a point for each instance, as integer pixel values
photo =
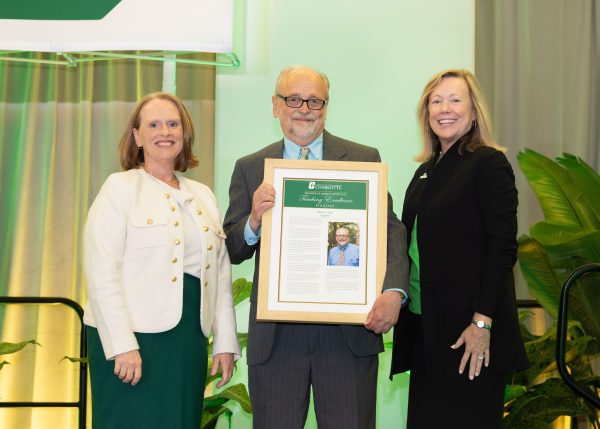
(247, 176)
(466, 233)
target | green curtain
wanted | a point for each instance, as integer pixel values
(538, 62)
(59, 130)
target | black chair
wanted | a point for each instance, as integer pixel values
(81, 404)
(561, 333)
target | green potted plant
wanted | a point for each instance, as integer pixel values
(219, 403)
(569, 194)
(537, 396)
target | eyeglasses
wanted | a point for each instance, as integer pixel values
(296, 102)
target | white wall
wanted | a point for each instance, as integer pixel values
(378, 56)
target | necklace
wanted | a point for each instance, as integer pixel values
(173, 181)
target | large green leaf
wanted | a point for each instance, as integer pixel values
(210, 416)
(75, 359)
(513, 391)
(557, 194)
(243, 339)
(541, 405)
(239, 393)
(541, 352)
(216, 405)
(536, 396)
(543, 282)
(584, 303)
(569, 192)
(566, 249)
(214, 402)
(568, 256)
(549, 234)
(585, 178)
(241, 290)
(236, 393)
(8, 348)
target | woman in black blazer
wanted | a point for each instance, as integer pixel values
(460, 336)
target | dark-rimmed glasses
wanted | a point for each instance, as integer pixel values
(296, 102)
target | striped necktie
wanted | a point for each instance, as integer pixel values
(304, 151)
(341, 257)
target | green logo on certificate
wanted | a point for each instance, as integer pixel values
(63, 10)
(331, 194)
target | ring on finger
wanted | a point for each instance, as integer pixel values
(481, 357)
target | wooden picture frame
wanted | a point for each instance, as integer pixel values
(322, 207)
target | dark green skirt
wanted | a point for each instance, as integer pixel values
(171, 390)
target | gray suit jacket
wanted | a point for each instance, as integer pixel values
(247, 176)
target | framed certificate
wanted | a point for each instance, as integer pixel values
(324, 244)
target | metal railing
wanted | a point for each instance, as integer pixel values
(81, 404)
(561, 334)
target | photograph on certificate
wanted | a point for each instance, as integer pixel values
(310, 209)
(324, 232)
(343, 244)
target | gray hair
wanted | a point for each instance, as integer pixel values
(291, 69)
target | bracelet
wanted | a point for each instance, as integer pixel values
(481, 324)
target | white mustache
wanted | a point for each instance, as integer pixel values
(300, 115)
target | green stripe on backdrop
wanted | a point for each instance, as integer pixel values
(58, 9)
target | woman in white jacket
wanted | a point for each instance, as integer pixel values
(158, 279)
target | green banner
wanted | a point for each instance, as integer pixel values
(333, 194)
(61, 10)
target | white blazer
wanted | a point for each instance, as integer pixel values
(134, 263)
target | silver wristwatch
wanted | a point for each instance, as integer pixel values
(481, 324)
